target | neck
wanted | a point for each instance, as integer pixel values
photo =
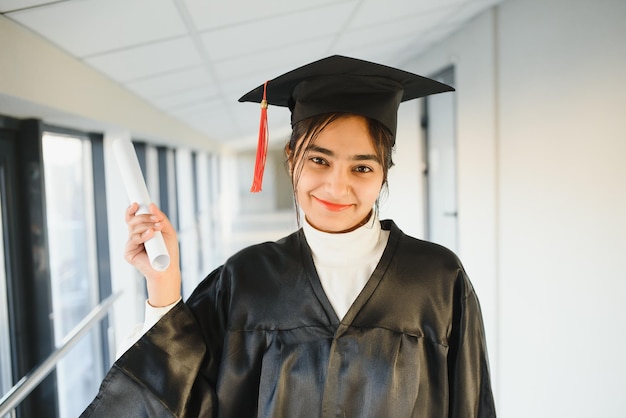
(357, 226)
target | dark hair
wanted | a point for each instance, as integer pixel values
(306, 132)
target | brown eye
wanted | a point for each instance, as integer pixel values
(363, 169)
(318, 160)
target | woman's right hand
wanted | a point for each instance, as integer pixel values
(163, 286)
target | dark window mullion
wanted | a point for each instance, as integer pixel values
(102, 237)
(11, 219)
(33, 298)
(163, 173)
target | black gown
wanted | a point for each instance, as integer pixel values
(259, 338)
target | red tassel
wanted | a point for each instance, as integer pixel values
(261, 150)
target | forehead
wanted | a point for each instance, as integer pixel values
(346, 133)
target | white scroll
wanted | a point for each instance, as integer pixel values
(138, 192)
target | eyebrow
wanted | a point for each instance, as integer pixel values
(357, 157)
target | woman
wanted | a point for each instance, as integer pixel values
(346, 317)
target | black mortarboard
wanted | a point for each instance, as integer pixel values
(343, 84)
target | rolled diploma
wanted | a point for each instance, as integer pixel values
(138, 192)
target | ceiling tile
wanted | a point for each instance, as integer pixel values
(400, 30)
(218, 14)
(375, 35)
(186, 98)
(270, 63)
(277, 31)
(208, 117)
(165, 85)
(469, 9)
(155, 58)
(93, 26)
(11, 5)
(376, 11)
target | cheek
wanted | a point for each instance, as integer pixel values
(372, 195)
(305, 179)
(370, 190)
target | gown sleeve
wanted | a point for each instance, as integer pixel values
(468, 365)
(152, 315)
(164, 374)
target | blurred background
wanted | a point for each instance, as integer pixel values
(520, 171)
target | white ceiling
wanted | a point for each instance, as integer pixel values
(194, 58)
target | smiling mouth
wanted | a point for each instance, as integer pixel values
(335, 207)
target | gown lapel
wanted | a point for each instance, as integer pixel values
(370, 286)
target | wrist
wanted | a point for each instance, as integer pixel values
(169, 305)
(164, 291)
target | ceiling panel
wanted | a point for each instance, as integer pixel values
(269, 63)
(199, 111)
(12, 5)
(187, 97)
(161, 86)
(156, 58)
(373, 12)
(90, 27)
(389, 33)
(469, 9)
(218, 14)
(281, 30)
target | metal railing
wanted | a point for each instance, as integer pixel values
(28, 383)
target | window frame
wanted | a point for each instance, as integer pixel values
(28, 287)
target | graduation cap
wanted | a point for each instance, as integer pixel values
(338, 84)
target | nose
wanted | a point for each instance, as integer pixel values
(338, 182)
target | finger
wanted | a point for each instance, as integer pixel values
(146, 235)
(156, 212)
(141, 232)
(133, 251)
(138, 238)
(139, 223)
(141, 219)
(131, 210)
(162, 222)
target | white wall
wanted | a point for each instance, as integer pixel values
(542, 198)
(563, 201)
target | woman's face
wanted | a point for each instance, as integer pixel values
(340, 176)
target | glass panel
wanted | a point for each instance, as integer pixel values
(74, 283)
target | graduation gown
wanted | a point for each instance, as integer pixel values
(259, 338)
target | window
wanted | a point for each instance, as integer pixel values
(70, 215)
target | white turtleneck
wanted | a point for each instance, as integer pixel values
(345, 261)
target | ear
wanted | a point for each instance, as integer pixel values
(289, 155)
